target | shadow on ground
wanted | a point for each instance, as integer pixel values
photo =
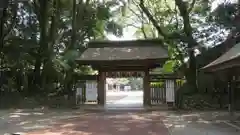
(87, 123)
(108, 124)
(79, 122)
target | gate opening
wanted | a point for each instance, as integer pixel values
(124, 92)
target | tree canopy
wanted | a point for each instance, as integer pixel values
(187, 28)
(40, 39)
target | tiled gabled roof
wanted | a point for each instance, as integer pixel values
(231, 54)
(124, 50)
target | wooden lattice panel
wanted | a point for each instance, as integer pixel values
(124, 74)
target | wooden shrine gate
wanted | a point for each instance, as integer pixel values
(162, 90)
(86, 85)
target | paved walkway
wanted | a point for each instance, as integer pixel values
(106, 124)
(73, 123)
(77, 122)
(202, 123)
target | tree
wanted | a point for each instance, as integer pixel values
(46, 36)
(226, 16)
(182, 27)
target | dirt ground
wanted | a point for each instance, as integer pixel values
(58, 122)
(80, 122)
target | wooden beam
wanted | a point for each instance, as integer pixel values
(136, 43)
(124, 67)
(124, 74)
(86, 77)
(142, 62)
(101, 88)
(164, 76)
(129, 69)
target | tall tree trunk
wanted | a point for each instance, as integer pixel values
(37, 72)
(51, 41)
(191, 72)
(43, 21)
(69, 73)
(2, 21)
(191, 42)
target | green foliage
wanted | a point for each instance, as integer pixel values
(136, 83)
(157, 84)
(169, 66)
(201, 102)
(183, 26)
(226, 14)
(41, 38)
(42, 41)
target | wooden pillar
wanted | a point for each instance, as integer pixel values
(233, 88)
(101, 88)
(175, 92)
(231, 92)
(146, 87)
(231, 75)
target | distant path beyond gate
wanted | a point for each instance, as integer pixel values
(125, 100)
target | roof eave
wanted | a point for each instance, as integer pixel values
(138, 42)
(222, 66)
